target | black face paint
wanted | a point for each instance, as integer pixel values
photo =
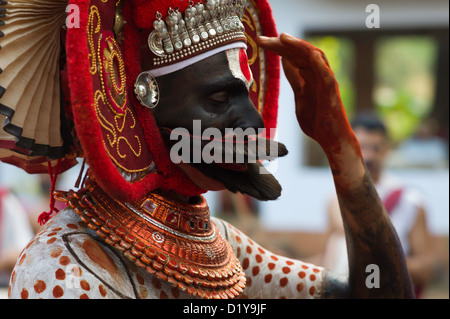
(215, 92)
(206, 91)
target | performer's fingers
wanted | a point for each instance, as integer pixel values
(299, 58)
(298, 51)
(293, 75)
(273, 44)
(323, 70)
(302, 47)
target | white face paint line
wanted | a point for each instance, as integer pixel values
(237, 60)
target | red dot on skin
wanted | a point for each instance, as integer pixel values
(51, 240)
(143, 292)
(312, 290)
(60, 274)
(312, 277)
(29, 244)
(56, 252)
(255, 271)
(258, 258)
(305, 267)
(22, 259)
(64, 260)
(238, 239)
(268, 278)
(24, 293)
(249, 250)
(262, 251)
(286, 270)
(302, 274)
(102, 290)
(58, 292)
(175, 292)
(300, 287)
(84, 296)
(156, 283)
(245, 263)
(289, 262)
(85, 285)
(238, 252)
(274, 258)
(139, 279)
(271, 266)
(283, 281)
(163, 295)
(316, 270)
(39, 286)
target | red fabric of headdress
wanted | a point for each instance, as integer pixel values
(118, 136)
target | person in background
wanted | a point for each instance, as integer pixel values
(15, 233)
(404, 204)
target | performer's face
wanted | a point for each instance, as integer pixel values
(206, 91)
(216, 92)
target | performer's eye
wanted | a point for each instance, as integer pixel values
(219, 97)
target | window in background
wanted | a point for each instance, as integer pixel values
(405, 82)
(397, 76)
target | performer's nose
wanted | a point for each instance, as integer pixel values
(245, 116)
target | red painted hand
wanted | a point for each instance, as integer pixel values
(319, 108)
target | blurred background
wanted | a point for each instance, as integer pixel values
(399, 71)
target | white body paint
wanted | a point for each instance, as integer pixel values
(67, 259)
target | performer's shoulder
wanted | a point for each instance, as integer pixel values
(66, 260)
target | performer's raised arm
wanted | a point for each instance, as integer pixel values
(371, 238)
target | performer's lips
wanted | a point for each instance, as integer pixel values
(233, 167)
(200, 179)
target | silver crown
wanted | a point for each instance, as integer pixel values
(201, 27)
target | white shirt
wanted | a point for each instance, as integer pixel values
(15, 228)
(403, 217)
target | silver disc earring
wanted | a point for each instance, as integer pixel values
(147, 90)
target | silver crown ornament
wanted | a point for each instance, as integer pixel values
(200, 27)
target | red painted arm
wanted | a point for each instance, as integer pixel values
(371, 239)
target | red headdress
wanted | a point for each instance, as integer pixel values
(75, 97)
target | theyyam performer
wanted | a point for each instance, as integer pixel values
(110, 83)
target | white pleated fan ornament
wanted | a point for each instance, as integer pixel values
(30, 48)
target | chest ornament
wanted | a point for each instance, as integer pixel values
(174, 241)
